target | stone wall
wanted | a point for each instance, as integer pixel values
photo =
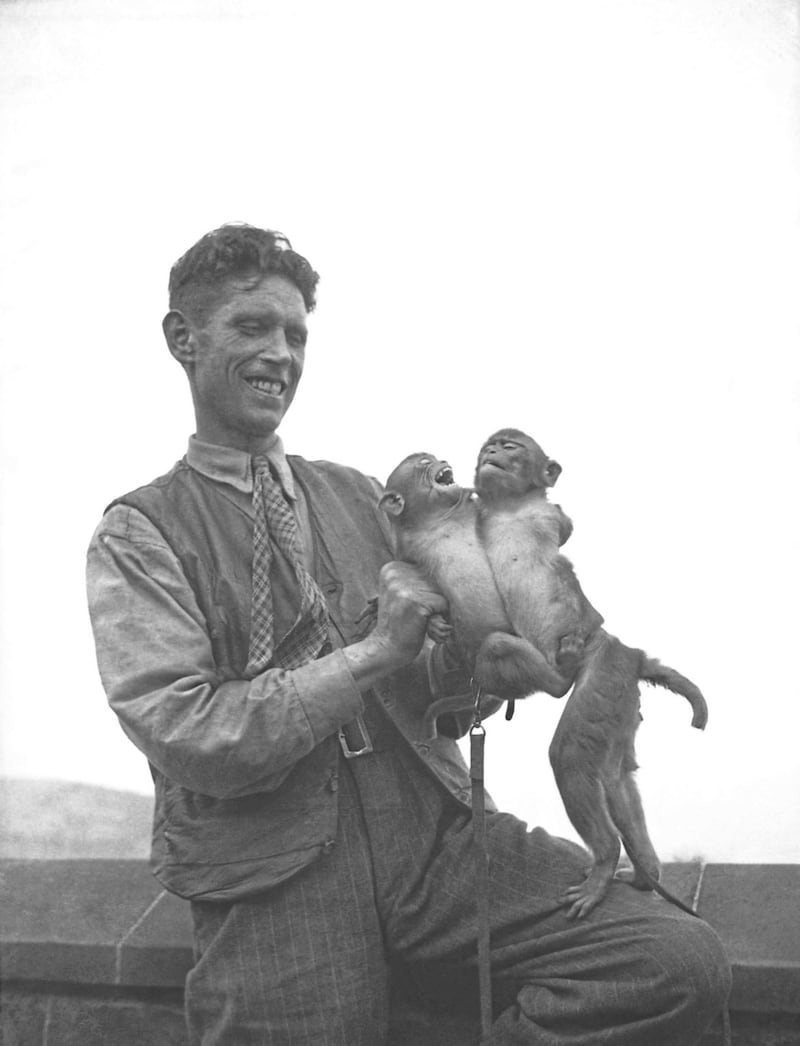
(94, 953)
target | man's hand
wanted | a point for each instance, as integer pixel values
(406, 601)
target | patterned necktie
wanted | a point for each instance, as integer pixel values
(309, 633)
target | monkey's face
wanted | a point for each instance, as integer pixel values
(511, 464)
(421, 486)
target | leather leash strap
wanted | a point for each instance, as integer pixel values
(477, 737)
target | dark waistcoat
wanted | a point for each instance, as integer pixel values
(221, 849)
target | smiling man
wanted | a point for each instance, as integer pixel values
(244, 357)
(323, 841)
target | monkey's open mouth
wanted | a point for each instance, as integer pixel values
(444, 476)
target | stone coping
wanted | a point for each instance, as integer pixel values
(108, 923)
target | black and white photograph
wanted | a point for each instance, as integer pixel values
(399, 514)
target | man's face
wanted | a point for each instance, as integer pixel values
(247, 361)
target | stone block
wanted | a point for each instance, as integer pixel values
(78, 1021)
(23, 1016)
(754, 908)
(159, 950)
(63, 920)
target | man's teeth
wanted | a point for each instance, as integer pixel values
(273, 388)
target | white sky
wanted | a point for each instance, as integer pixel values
(580, 219)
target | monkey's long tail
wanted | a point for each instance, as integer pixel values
(662, 891)
(652, 671)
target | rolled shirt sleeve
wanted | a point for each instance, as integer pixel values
(219, 737)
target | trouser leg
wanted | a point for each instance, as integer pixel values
(301, 964)
(635, 972)
(308, 962)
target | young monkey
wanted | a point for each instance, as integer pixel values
(592, 751)
(434, 523)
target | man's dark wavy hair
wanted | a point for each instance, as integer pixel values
(236, 249)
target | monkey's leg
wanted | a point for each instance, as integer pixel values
(627, 812)
(570, 654)
(510, 667)
(646, 874)
(584, 800)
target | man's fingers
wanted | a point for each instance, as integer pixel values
(404, 581)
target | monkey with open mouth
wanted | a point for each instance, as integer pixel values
(522, 623)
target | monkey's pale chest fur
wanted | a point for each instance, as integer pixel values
(537, 584)
(449, 549)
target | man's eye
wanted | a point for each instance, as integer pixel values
(251, 330)
(295, 339)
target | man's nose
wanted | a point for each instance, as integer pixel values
(274, 347)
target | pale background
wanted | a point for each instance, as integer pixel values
(576, 218)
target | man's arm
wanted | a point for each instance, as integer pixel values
(224, 737)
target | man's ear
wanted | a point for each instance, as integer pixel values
(392, 503)
(180, 336)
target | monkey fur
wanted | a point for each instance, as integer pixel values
(592, 751)
(434, 523)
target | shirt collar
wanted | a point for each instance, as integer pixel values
(235, 467)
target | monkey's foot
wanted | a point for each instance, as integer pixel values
(438, 629)
(638, 879)
(570, 654)
(581, 899)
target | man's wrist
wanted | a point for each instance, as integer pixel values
(372, 658)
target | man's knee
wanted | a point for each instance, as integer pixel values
(701, 972)
(662, 981)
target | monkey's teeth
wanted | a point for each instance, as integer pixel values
(445, 476)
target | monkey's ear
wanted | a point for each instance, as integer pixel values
(392, 503)
(552, 471)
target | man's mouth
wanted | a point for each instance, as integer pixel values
(267, 386)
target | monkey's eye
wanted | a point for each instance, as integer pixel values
(425, 461)
(510, 446)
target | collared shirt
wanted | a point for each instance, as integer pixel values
(157, 666)
(235, 469)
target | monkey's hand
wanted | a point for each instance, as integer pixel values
(438, 628)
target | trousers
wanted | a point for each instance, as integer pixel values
(325, 958)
